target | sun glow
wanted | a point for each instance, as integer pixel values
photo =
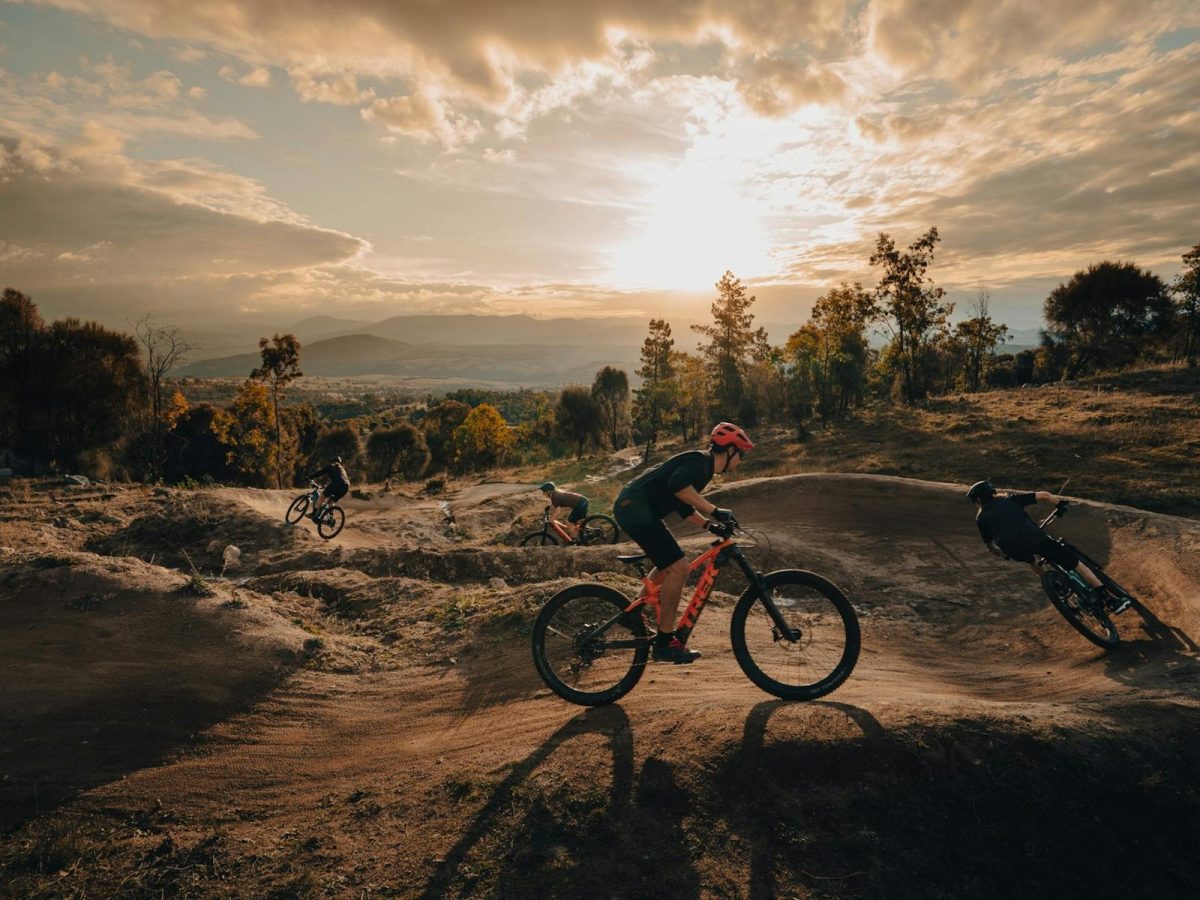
(698, 224)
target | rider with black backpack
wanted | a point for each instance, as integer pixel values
(339, 484)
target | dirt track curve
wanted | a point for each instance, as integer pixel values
(423, 757)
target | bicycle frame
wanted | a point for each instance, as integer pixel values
(549, 523)
(711, 561)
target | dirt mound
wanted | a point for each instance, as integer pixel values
(980, 748)
(119, 663)
(192, 528)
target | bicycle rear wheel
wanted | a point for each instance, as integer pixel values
(296, 511)
(331, 522)
(1089, 620)
(821, 658)
(539, 539)
(580, 658)
(596, 530)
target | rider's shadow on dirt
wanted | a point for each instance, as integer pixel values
(576, 838)
(755, 807)
(1142, 658)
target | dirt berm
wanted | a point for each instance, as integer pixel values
(981, 748)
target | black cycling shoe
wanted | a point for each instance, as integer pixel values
(1117, 604)
(674, 652)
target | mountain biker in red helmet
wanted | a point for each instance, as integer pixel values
(674, 485)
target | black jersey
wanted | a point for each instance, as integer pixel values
(657, 486)
(1004, 522)
(335, 472)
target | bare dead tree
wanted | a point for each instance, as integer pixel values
(165, 350)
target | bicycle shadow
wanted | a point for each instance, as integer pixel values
(751, 768)
(629, 843)
(1162, 650)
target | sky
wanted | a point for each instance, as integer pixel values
(228, 162)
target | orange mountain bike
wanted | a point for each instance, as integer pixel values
(794, 634)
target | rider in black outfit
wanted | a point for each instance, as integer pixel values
(1010, 533)
(339, 484)
(674, 486)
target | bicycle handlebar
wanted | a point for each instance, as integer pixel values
(724, 529)
(1060, 509)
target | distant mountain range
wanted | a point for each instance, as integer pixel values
(513, 350)
(517, 365)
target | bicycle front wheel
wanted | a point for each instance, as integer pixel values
(586, 649)
(296, 511)
(331, 522)
(598, 530)
(1088, 618)
(539, 539)
(826, 647)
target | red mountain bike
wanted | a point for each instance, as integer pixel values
(592, 530)
(794, 634)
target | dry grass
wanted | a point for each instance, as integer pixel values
(1132, 439)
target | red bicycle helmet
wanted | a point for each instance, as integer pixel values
(729, 435)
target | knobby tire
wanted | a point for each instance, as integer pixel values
(576, 671)
(296, 511)
(331, 522)
(824, 656)
(539, 539)
(1097, 627)
(598, 530)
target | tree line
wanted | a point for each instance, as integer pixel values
(77, 396)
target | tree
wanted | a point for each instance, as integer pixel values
(194, 449)
(578, 417)
(339, 440)
(654, 400)
(280, 367)
(165, 350)
(245, 430)
(610, 390)
(831, 351)
(397, 451)
(1187, 298)
(978, 337)
(439, 425)
(483, 440)
(910, 306)
(88, 384)
(731, 343)
(1108, 316)
(693, 391)
(21, 330)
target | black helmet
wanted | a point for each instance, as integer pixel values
(981, 491)
(547, 486)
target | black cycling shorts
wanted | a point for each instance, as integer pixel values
(579, 511)
(638, 520)
(1050, 550)
(336, 491)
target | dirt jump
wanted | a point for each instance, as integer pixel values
(362, 717)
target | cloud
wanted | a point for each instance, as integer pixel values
(340, 90)
(257, 76)
(468, 56)
(775, 87)
(106, 93)
(84, 216)
(973, 42)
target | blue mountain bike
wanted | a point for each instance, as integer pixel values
(1078, 602)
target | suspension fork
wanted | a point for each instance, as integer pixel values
(758, 583)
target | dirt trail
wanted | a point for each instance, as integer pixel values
(459, 774)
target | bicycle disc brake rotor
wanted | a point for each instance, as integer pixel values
(585, 649)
